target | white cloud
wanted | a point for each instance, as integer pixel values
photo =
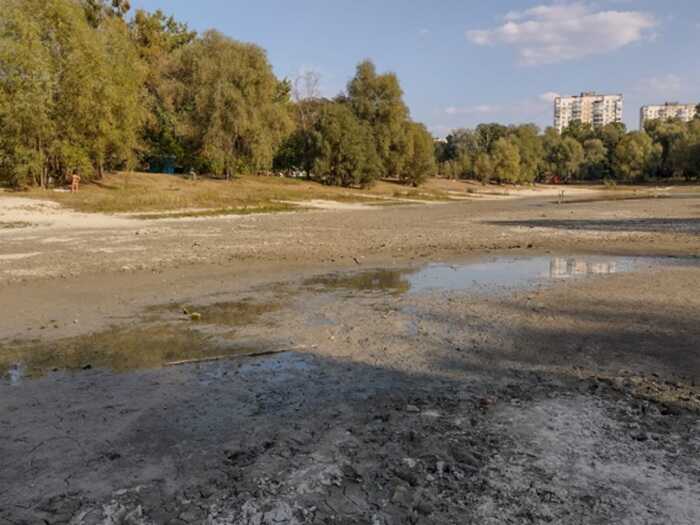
(548, 97)
(548, 34)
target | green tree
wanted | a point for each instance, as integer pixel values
(420, 163)
(228, 101)
(579, 131)
(69, 94)
(483, 167)
(486, 136)
(377, 99)
(636, 157)
(685, 157)
(564, 157)
(96, 11)
(670, 135)
(595, 160)
(160, 39)
(343, 150)
(505, 160)
(530, 149)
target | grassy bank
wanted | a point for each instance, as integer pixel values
(146, 192)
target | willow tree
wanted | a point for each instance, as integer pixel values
(159, 39)
(233, 109)
(69, 92)
(343, 150)
(377, 99)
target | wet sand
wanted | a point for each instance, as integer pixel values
(461, 376)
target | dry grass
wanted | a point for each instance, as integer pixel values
(146, 192)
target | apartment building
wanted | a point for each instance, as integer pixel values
(684, 112)
(588, 107)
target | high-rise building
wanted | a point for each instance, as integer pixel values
(588, 108)
(684, 112)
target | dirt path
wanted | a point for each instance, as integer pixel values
(566, 400)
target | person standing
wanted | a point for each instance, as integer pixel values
(75, 182)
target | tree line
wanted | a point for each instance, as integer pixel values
(665, 149)
(87, 86)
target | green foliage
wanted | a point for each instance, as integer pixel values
(595, 160)
(69, 93)
(665, 149)
(342, 148)
(483, 167)
(377, 99)
(505, 158)
(227, 100)
(636, 156)
(420, 162)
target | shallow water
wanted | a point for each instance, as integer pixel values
(501, 272)
(168, 335)
(515, 272)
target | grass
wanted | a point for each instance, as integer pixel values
(151, 193)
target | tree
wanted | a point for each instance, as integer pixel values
(69, 94)
(483, 167)
(685, 157)
(530, 149)
(159, 40)
(421, 160)
(486, 136)
(505, 160)
(636, 157)
(669, 134)
(378, 100)
(229, 103)
(564, 157)
(579, 131)
(96, 11)
(344, 153)
(595, 160)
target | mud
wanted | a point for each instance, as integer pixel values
(564, 390)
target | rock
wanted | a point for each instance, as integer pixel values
(424, 508)
(402, 497)
(413, 409)
(410, 462)
(464, 457)
(196, 316)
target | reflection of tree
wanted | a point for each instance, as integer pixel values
(119, 349)
(392, 281)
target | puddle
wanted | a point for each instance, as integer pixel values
(166, 335)
(474, 276)
(120, 349)
(231, 313)
(514, 272)
(387, 281)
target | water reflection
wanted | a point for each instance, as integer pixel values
(566, 267)
(389, 281)
(499, 272)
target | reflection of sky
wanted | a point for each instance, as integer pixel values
(512, 272)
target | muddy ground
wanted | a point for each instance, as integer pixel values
(566, 398)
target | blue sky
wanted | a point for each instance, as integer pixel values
(465, 62)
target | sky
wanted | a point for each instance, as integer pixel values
(465, 62)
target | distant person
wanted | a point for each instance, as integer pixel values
(75, 183)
